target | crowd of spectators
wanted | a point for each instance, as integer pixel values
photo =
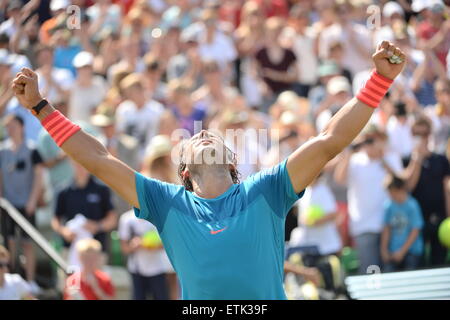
(140, 75)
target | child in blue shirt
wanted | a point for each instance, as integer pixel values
(401, 240)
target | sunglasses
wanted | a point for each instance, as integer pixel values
(3, 265)
(420, 134)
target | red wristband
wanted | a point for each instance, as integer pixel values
(59, 127)
(374, 89)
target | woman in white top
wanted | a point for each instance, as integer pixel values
(321, 232)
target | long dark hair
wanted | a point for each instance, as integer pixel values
(186, 180)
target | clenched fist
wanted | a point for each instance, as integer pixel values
(385, 51)
(25, 88)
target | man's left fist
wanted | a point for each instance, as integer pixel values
(389, 60)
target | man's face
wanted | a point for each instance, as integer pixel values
(374, 146)
(90, 260)
(45, 57)
(14, 128)
(421, 132)
(205, 148)
(398, 195)
(85, 71)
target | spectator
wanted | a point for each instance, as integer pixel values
(154, 83)
(88, 90)
(137, 116)
(12, 286)
(187, 112)
(434, 31)
(401, 239)
(439, 115)
(276, 65)
(214, 44)
(106, 16)
(322, 232)
(424, 77)
(249, 40)
(363, 172)
(55, 82)
(426, 176)
(326, 71)
(398, 130)
(302, 39)
(354, 37)
(90, 199)
(11, 25)
(22, 185)
(90, 283)
(214, 94)
(187, 63)
(392, 12)
(338, 93)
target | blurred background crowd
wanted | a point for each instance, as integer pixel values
(133, 72)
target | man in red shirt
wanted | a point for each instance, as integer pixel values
(435, 32)
(90, 283)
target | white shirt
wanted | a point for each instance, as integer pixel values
(400, 136)
(8, 27)
(221, 49)
(303, 47)
(325, 236)
(14, 287)
(353, 61)
(62, 77)
(366, 194)
(144, 262)
(84, 100)
(76, 225)
(143, 123)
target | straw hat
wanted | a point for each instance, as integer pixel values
(159, 146)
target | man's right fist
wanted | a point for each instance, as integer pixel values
(25, 88)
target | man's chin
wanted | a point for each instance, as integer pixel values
(207, 154)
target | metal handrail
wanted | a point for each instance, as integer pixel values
(34, 234)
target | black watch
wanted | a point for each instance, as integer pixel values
(37, 108)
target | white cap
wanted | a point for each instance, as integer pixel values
(288, 117)
(419, 5)
(338, 84)
(288, 100)
(83, 59)
(159, 146)
(56, 5)
(391, 8)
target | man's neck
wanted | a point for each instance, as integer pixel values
(2, 280)
(81, 181)
(17, 142)
(211, 181)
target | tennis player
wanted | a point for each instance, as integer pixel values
(225, 239)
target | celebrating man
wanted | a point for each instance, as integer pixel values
(225, 239)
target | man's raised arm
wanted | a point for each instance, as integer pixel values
(308, 160)
(78, 145)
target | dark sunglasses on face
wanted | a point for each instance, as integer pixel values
(420, 134)
(153, 66)
(3, 265)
